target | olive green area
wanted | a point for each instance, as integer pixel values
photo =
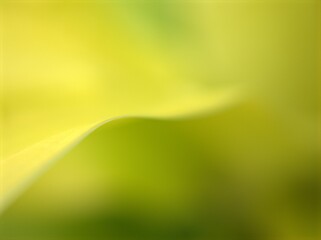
(210, 177)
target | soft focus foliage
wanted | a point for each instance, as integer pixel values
(160, 120)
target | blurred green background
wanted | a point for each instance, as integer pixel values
(215, 109)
